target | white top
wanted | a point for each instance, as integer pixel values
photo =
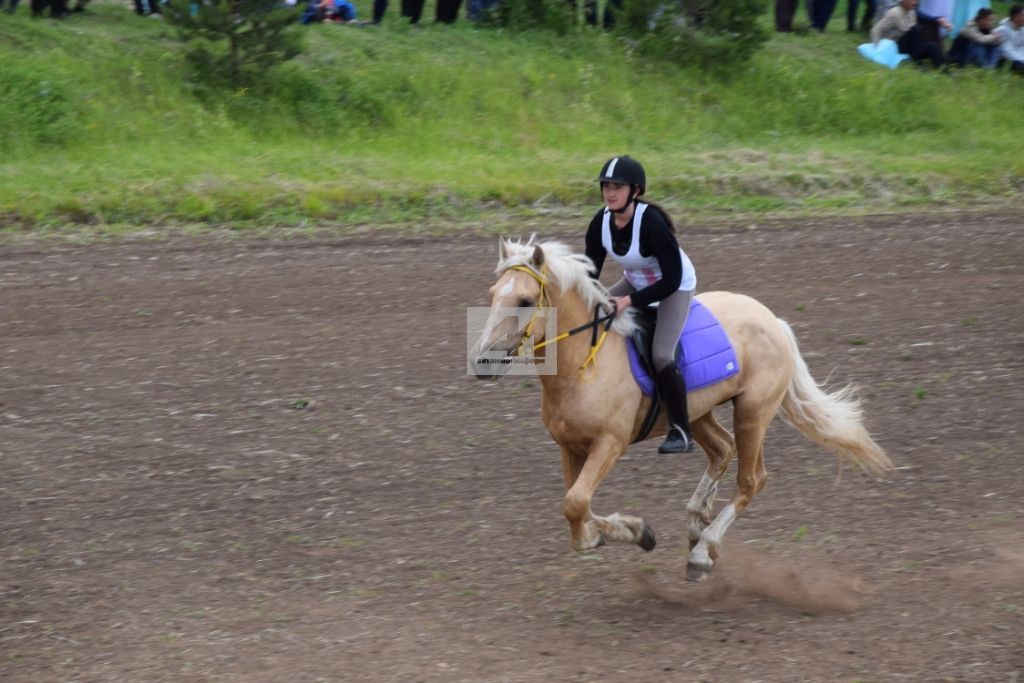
(643, 271)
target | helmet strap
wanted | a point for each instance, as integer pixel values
(632, 198)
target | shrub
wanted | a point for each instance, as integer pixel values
(528, 15)
(715, 36)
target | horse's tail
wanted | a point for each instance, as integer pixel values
(833, 420)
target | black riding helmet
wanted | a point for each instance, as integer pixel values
(625, 170)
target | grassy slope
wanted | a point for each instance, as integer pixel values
(391, 123)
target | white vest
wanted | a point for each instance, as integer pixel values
(643, 271)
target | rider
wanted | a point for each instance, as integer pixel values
(640, 236)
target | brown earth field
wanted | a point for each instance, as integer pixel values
(255, 459)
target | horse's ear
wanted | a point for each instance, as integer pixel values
(502, 249)
(538, 256)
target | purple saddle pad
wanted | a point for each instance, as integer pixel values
(707, 355)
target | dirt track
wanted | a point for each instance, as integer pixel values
(262, 461)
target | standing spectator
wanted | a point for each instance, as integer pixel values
(901, 25)
(1012, 30)
(477, 9)
(977, 44)
(58, 8)
(821, 13)
(784, 12)
(448, 11)
(410, 8)
(144, 8)
(928, 14)
(851, 15)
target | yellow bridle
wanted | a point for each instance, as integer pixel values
(541, 277)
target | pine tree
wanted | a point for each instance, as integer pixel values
(259, 34)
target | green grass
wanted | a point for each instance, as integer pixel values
(446, 125)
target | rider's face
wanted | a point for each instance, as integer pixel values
(615, 195)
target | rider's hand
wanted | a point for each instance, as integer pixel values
(622, 302)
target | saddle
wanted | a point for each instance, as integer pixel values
(704, 355)
(643, 340)
(643, 336)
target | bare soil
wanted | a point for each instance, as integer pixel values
(258, 460)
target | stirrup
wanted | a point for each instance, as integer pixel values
(677, 441)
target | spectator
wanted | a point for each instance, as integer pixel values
(821, 13)
(901, 25)
(340, 11)
(337, 11)
(58, 8)
(851, 15)
(964, 11)
(977, 44)
(1011, 48)
(410, 8)
(448, 11)
(784, 12)
(477, 9)
(144, 8)
(929, 13)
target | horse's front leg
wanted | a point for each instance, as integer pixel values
(583, 474)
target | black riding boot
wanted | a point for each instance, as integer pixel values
(672, 390)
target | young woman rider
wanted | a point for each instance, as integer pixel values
(641, 238)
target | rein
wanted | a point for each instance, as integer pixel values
(599, 320)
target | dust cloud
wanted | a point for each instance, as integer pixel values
(812, 586)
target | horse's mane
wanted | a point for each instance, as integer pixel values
(566, 270)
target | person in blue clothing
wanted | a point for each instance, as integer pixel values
(640, 237)
(977, 44)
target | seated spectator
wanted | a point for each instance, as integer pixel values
(340, 11)
(1012, 31)
(901, 24)
(337, 11)
(977, 44)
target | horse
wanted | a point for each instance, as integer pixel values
(594, 410)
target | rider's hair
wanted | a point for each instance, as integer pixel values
(663, 212)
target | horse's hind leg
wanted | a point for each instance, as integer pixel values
(720, 448)
(751, 422)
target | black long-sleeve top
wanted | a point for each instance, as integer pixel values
(656, 239)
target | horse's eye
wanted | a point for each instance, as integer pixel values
(525, 303)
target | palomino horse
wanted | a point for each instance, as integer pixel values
(595, 409)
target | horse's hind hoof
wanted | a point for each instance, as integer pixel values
(697, 573)
(647, 538)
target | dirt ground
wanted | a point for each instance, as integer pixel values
(244, 460)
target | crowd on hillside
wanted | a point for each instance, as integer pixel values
(343, 11)
(936, 32)
(60, 9)
(336, 11)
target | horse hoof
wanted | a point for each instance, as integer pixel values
(647, 539)
(696, 573)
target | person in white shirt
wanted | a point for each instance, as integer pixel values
(1012, 30)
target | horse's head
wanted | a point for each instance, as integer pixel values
(520, 290)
